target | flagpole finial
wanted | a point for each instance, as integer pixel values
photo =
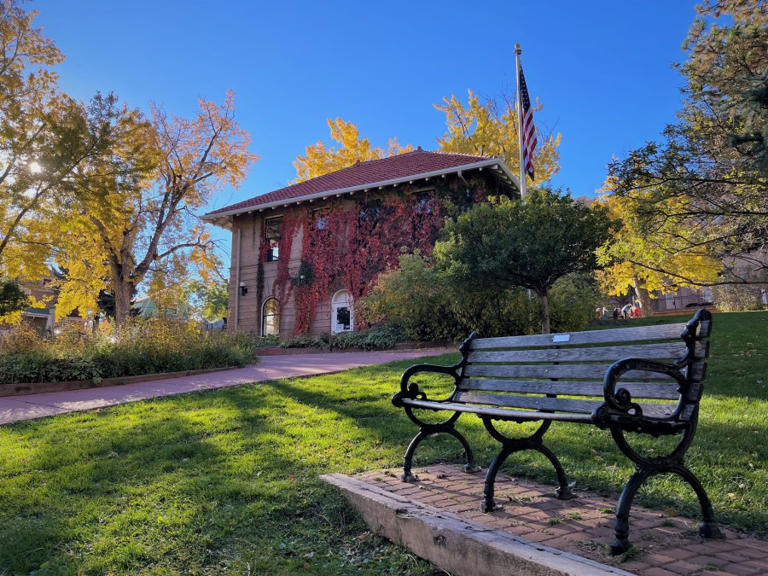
(518, 50)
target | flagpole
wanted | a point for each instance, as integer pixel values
(519, 51)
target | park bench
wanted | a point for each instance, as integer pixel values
(641, 379)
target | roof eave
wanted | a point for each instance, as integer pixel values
(224, 220)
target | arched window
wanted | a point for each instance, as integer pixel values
(342, 313)
(270, 317)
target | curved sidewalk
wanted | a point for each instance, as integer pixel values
(28, 407)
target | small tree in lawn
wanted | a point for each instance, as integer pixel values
(531, 244)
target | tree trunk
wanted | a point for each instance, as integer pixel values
(646, 308)
(544, 296)
(123, 294)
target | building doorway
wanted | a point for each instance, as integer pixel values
(342, 313)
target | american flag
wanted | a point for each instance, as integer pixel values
(529, 130)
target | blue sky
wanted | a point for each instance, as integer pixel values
(602, 70)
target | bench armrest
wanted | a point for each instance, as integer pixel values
(411, 389)
(618, 406)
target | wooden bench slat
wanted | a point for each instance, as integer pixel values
(502, 413)
(650, 410)
(612, 353)
(530, 402)
(587, 371)
(656, 390)
(637, 333)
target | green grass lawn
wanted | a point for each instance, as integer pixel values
(226, 482)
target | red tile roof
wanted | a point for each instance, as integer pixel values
(362, 175)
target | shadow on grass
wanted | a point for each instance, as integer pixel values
(133, 485)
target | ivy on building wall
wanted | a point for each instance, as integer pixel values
(346, 245)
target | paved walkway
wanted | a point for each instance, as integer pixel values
(15, 408)
(664, 544)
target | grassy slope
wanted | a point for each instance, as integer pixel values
(226, 481)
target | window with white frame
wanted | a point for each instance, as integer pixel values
(270, 318)
(272, 232)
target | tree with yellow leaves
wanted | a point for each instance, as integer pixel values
(135, 209)
(649, 260)
(319, 159)
(41, 142)
(489, 129)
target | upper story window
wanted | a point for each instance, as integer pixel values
(320, 217)
(423, 204)
(272, 230)
(370, 212)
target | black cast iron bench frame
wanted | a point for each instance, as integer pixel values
(617, 412)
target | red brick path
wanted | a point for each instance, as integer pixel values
(663, 545)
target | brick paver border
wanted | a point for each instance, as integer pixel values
(664, 545)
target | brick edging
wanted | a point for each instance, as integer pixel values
(457, 545)
(22, 389)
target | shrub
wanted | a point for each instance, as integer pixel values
(413, 296)
(736, 297)
(382, 337)
(146, 347)
(431, 307)
(20, 338)
(305, 341)
(503, 313)
(573, 300)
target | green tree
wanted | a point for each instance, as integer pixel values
(703, 191)
(531, 245)
(12, 298)
(210, 299)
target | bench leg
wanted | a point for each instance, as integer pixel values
(427, 431)
(563, 492)
(512, 445)
(707, 529)
(565, 489)
(488, 504)
(621, 543)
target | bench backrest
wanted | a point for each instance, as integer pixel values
(564, 372)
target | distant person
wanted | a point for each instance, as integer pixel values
(626, 311)
(615, 314)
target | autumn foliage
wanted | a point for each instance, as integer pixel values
(320, 159)
(348, 244)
